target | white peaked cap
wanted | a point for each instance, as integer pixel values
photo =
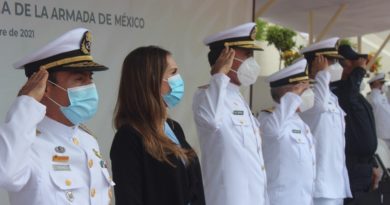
(294, 73)
(378, 76)
(326, 47)
(70, 51)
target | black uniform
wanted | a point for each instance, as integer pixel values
(360, 134)
(142, 180)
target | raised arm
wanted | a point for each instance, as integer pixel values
(18, 132)
(321, 87)
(273, 124)
(208, 103)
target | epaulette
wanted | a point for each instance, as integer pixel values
(204, 86)
(269, 110)
(87, 130)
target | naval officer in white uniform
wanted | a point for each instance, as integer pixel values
(47, 157)
(327, 124)
(289, 153)
(232, 161)
(380, 105)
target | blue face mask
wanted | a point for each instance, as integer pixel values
(176, 84)
(83, 103)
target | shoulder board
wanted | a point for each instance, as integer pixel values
(87, 130)
(269, 110)
(204, 86)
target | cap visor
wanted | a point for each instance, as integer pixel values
(81, 66)
(365, 56)
(335, 56)
(250, 47)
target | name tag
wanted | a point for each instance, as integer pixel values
(61, 167)
(238, 112)
(57, 158)
(296, 131)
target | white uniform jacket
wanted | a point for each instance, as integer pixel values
(327, 124)
(43, 162)
(232, 161)
(381, 109)
(289, 154)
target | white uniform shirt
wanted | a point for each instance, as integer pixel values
(232, 161)
(381, 108)
(327, 124)
(289, 154)
(43, 162)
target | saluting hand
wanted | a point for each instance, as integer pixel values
(224, 61)
(319, 63)
(300, 87)
(360, 62)
(35, 85)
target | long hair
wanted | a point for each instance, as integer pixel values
(140, 104)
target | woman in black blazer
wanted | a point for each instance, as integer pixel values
(152, 163)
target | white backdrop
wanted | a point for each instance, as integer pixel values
(176, 25)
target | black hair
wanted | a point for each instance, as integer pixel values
(214, 54)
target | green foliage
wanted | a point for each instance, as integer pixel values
(261, 34)
(345, 41)
(281, 38)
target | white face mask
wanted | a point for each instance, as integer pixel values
(385, 88)
(307, 100)
(248, 71)
(362, 86)
(336, 71)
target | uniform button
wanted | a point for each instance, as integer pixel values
(93, 192)
(314, 163)
(76, 141)
(68, 182)
(90, 163)
(262, 168)
(242, 122)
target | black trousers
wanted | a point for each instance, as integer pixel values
(360, 173)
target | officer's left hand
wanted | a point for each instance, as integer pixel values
(36, 85)
(376, 177)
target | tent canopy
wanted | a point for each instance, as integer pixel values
(351, 17)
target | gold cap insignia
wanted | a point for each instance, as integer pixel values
(338, 44)
(86, 43)
(253, 33)
(307, 69)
